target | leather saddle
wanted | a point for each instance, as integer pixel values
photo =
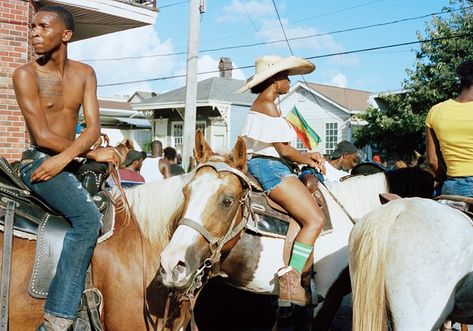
(270, 219)
(35, 220)
(464, 204)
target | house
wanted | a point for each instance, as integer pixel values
(220, 111)
(119, 121)
(92, 18)
(330, 111)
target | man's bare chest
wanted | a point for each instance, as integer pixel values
(56, 93)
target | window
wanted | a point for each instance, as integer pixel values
(300, 145)
(331, 137)
(177, 132)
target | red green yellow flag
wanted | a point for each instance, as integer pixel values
(309, 138)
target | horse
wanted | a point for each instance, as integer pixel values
(411, 262)
(252, 264)
(124, 267)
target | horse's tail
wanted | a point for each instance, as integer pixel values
(368, 243)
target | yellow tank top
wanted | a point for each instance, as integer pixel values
(452, 123)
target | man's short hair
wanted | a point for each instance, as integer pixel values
(465, 73)
(343, 147)
(156, 144)
(170, 153)
(133, 156)
(62, 13)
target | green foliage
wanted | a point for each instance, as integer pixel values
(399, 128)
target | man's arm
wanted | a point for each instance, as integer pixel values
(27, 96)
(165, 167)
(433, 152)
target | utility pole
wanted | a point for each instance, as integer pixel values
(195, 10)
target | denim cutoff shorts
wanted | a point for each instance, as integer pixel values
(269, 171)
(458, 186)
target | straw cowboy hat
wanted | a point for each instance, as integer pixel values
(269, 65)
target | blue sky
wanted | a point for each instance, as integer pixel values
(232, 23)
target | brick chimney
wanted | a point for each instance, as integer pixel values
(225, 67)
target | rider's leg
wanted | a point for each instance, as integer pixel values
(301, 205)
(65, 194)
(294, 197)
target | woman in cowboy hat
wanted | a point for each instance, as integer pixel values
(267, 135)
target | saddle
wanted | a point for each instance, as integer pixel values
(270, 219)
(464, 204)
(35, 220)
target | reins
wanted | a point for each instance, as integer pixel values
(352, 220)
(129, 211)
(215, 244)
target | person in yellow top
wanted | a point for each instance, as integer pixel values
(449, 135)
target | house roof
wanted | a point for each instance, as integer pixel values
(211, 89)
(351, 99)
(112, 104)
(139, 96)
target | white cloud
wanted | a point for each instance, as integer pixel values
(238, 11)
(143, 43)
(339, 80)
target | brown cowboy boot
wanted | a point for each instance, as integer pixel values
(290, 289)
(53, 323)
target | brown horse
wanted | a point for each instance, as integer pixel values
(120, 270)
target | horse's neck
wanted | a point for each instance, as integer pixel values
(358, 195)
(157, 206)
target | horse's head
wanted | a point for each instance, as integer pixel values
(213, 215)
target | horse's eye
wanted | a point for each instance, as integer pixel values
(227, 202)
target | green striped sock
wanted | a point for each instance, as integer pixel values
(300, 253)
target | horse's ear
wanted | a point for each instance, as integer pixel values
(202, 150)
(239, 155)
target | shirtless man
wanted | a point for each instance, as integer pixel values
(50, 92)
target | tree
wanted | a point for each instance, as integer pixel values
(400, 128)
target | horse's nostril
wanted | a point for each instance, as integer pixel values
(179, 269)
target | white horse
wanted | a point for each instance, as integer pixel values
(411, 261)
(252, 264)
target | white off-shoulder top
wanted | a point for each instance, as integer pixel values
(260, 131)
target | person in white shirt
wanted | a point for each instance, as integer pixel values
(155, 167)
(341, 161)
(267, 135)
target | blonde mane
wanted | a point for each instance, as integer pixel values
(156, 205)
(360, 194)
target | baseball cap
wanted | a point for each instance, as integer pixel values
(342, 148)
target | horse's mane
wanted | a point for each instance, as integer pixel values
(359, 194)
(157, 205)
(410, 182)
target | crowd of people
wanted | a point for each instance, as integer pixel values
(139, 168)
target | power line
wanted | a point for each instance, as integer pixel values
(275, 41)
(282, 28)
(362, 50)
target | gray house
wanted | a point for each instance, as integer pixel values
(331, 111)
(220, 111)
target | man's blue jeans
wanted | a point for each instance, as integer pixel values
(65, 194)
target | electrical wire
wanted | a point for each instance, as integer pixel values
(308, 58)
(276, 41)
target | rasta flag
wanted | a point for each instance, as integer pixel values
(309, 138)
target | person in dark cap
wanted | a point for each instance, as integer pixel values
(341, 161)
(130, 174)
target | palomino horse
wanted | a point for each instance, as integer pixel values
(411, 261)
(118, 263)
(252, 264)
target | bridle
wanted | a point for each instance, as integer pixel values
(216, 244)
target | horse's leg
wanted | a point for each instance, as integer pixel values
(333, 300)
